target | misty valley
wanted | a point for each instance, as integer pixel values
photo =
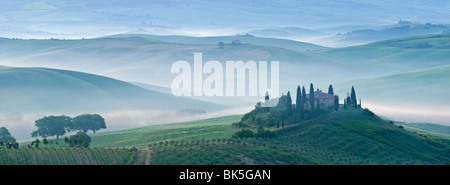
(180, 83)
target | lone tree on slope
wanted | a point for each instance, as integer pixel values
(311, 98)
(52, 126)
(330, 90)
(336, 102)
(88, 122)
(288, 105)
(5, 135)
(298, 99)
(353, 97)
(303, 101)
(221, 44)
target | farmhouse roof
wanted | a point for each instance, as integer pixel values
(320, 94)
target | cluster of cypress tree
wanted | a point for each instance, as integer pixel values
(351, 100)
(287, 112)
(302, 99)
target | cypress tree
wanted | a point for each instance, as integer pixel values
(318, 106)
(336, 102)
(353, 97)
(289, 104)
(303, 101)
(330, 90)
(311, 99)
(298, 100)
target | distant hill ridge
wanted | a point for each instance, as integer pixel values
(52, 90)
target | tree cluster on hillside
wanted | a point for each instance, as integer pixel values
(81, 139)
(351, 100)
(5, 136)
(6, 139)
(285, 112)
(59, 125)
(246, 133)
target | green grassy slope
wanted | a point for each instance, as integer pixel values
(141, 137)
(372, 139)
(51, 90)
(430, 128)
(437, 132)
(66, 156)
(345, 137)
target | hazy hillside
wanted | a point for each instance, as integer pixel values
(294, 33)
(364, 36)
(142, 59)
(155, 88)
(420, 95)
(16, 48)
(286, 43)
(58, 91)
(397, 55)
(413, 87)
(430, 128)
(93, 18)
(422, 87)
(435, 131)
(131, 57)
(148, 59)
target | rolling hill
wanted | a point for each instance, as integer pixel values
(397, 55)
(244, 38)
(76, 19)
(294, 33)
(16, 48)
(413, 96)
(140, 58)
(435, 131)
(147, 59)
(345, 137)
(421, 87)
(400, 30)
(131, 57)
(42, 90)
(67, 156)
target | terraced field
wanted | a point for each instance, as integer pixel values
(348, 137)
(67, 156)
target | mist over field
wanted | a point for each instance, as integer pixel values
(22, 125)
(114, 57)
(416, 115)
(89, 19)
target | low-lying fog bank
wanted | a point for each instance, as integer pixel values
(21, 125)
